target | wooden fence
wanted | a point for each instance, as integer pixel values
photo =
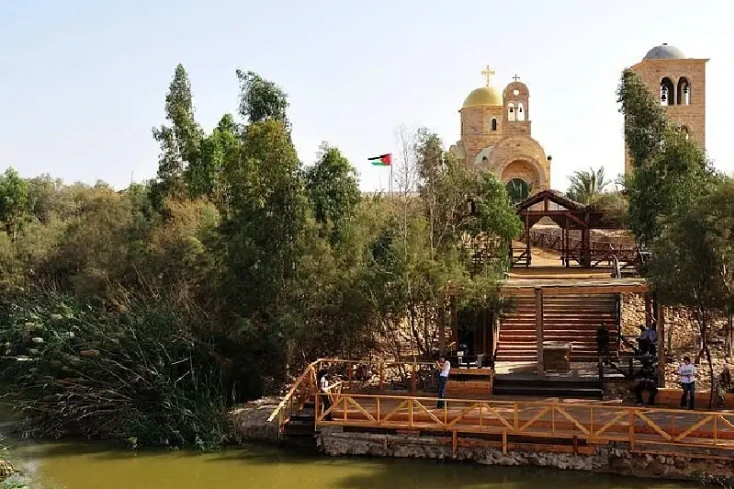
(593, 423)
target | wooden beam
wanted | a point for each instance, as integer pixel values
(527, 236)
(442, 330)
(539, 328)
(660, 330)
(576, 289)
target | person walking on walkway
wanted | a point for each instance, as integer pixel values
(688, 374)
(323, 383)
(443, 377)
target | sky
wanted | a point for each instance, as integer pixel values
(82, 82)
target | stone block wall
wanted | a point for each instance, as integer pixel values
(613, 458)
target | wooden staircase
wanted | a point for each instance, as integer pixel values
(568, 318)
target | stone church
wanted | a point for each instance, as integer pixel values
(496, 128)
(496, 134)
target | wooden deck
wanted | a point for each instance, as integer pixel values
(592, 423)
(549, 424)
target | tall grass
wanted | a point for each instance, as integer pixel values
(144, 372)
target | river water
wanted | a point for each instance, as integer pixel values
(92, 466)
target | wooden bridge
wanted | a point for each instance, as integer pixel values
(393, 402)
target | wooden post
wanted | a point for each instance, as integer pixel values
(586, 247)
(442, 330)
(539, 329)
(660, 330)
(527, 240)
(413, 380)
(454, 323)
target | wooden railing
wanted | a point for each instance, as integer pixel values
(596, 424)
(351, 375)
(600, 252)
(301, 392)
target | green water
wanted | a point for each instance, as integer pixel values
(82, 466)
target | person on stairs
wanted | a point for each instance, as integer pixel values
(445, 367)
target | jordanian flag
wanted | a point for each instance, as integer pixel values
(382, 160)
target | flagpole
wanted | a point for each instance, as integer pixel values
(390, 184)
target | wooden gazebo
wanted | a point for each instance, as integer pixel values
(569, 216)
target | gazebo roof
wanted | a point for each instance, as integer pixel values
(552, 196)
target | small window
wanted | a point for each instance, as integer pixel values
(667, 92)
(684, 92)
(494, 124)
(511, 112)
(685, 132)
(520, 112)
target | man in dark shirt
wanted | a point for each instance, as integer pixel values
(646, 381)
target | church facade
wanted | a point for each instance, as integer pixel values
(496, 134)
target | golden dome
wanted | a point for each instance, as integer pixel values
(483, 97)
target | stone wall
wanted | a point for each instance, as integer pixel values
(614, 459)
(681, 337)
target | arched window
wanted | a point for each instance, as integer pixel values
(520, 112)
(494, 124)
(684, 130)
(510, 111)
(518, 190)
(667, 92)
(684, 92)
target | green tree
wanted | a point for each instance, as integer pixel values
(333, 191)
(690, 263)
(669, 171)
(204, 175)
(587, 186)
(13, 201)
(261, 99)
(180, 142)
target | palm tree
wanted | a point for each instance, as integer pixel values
(587, 186)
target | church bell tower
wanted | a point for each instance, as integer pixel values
(680, 85)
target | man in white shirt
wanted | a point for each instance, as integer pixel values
(443, 377)
(688, 374)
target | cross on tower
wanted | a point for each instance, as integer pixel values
(488, 72)
(516, 78)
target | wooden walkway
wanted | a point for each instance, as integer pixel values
(596, 423)
(548, 424)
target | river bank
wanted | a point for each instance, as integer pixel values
(93, 465)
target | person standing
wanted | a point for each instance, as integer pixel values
(688, 374)
(445, 367)
(323, 383)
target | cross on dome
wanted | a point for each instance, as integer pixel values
(516, 78)
(488, 72)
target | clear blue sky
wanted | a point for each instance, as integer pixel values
(82, 82)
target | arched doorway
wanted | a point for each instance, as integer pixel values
(518, 190)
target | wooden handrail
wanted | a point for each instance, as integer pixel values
(309, 369)
(593, 422)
